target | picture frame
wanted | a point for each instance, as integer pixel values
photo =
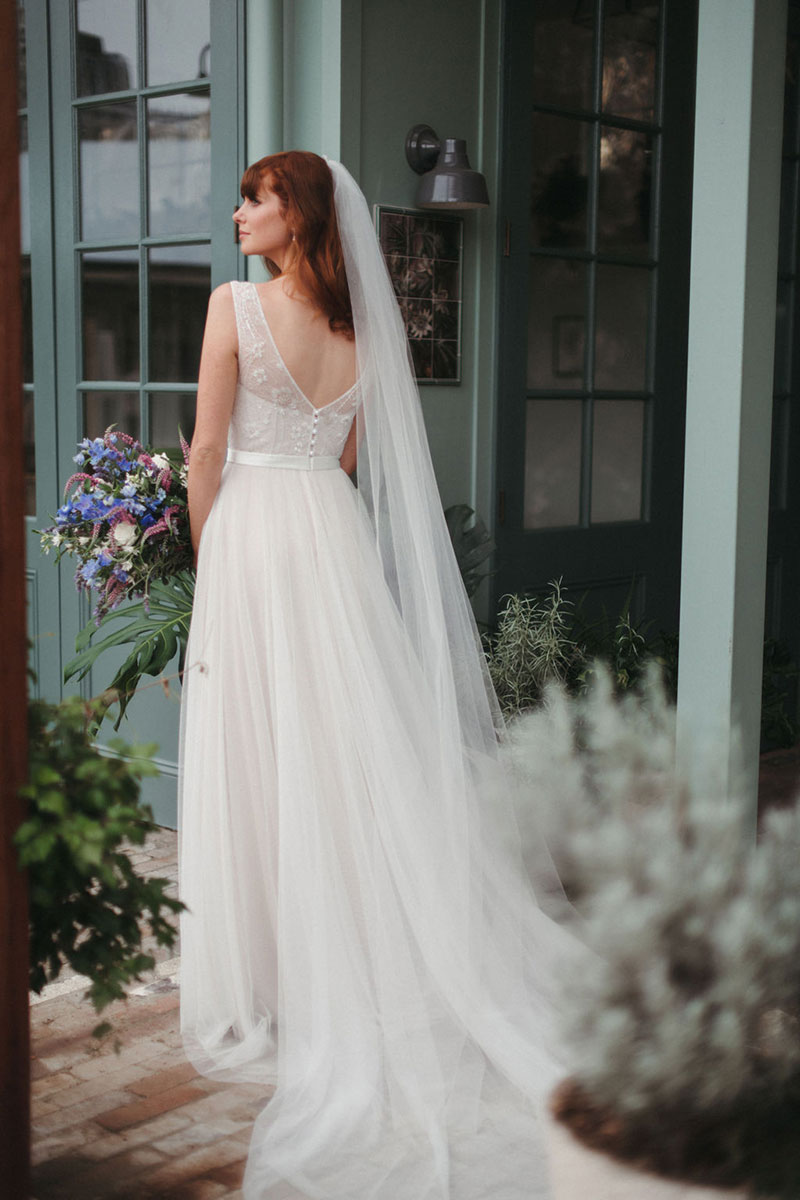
(424, 257)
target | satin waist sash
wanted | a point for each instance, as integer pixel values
(295, 462)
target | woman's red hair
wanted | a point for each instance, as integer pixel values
(303, 183)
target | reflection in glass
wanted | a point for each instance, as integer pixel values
(180, 282)
(617, 447)
(22, 82)
(630, 45)
(101, 409)
(178, 40)
(784, 320)
(556, 320)
(106, 46)
(623, 205)
(622, 310)
(179, 153)
(109, 167)
(562, 62)
(110, 307)
(29, 452)
(560, 149)
(169, 413)
(552, 463)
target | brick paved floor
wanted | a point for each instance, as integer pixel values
(141, 1123)
(137, 1122)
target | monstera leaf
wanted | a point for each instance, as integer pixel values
(472, 544)
(157, 632)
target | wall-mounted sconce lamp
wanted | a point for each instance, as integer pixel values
(447, 181)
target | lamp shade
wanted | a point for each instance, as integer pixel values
(452, 183)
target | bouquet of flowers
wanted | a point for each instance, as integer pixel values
(126, 520)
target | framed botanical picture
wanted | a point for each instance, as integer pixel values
(424, 252)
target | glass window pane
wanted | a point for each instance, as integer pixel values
(552, 463)
(120, 409)
(621, 320)
(791, 95)
(106, 46)
(110, 305)
(22, 82)
(179, 151)
(779, 465)
(29, 452)
(630, 43)
(171, 412)
(180, 282)
(783, 341)
(623, 206)
(563, 42)
(560, 147)
(617, 447)
(556, 323)
(788, 220)
(109, 163)
(178, 40)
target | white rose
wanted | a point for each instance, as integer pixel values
(161, 461)
(124, 533)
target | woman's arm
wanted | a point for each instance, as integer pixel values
(215, 393)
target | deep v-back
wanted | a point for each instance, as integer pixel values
(271, 413)
(301, 392)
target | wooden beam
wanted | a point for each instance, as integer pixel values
(14, 1023)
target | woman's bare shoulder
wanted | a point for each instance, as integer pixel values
(221, 319)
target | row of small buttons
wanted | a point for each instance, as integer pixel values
(313, 435)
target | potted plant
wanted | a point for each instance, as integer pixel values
(88, 907)
(681, 1018)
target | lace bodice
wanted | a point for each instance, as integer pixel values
(271, 415)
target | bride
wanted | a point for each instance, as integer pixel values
(361, 933)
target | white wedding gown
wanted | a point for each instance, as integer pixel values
(349, 938)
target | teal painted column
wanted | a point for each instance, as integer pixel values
(740, 79)
(322, 73)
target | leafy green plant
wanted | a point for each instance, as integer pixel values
(88, 906)
(531, 648)
(157, 631)
(472, 544)
(543, 639)
(683, 1018)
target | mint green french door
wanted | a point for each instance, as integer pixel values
(135, 146)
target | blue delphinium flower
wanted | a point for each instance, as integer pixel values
(90, 569)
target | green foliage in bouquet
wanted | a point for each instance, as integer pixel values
(155, 629)
(88, 906)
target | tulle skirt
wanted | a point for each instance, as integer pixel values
(360, 931)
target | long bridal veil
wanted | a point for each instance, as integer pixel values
(415, 1032)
